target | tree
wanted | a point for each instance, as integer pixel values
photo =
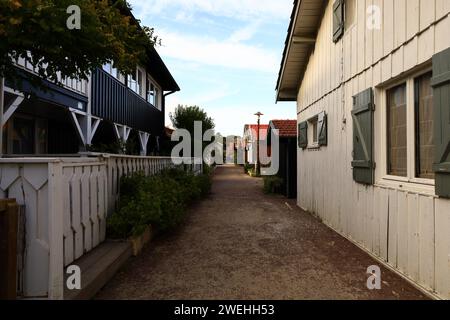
(185, 117)
(37, 31)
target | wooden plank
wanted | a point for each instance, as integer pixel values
(427, 13)
(413, 18)
(361, 37)
(427, 242)
(393, 228)
(55, 232)
(93, 179)
(69, 255)
(400, 22)
(376, 222)
(9, 215)
(442, 214)
(426, 45)
(413, 237)
(442, 8)
(402, 231)
(85, 209)
(77, 212)
(388, 26)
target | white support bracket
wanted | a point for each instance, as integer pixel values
(143, 138)
(122, 132)
(81, 129)
(13, 106)
(94, 124)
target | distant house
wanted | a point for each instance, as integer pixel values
(287, 132)
(250, 142)
(371, 80)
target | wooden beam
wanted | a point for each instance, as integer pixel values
(304, 40)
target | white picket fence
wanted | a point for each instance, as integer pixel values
(67, 201)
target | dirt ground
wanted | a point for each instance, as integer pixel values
(242, 244)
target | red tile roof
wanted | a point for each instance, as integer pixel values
(287, 128)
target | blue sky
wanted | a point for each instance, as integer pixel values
(224, 54)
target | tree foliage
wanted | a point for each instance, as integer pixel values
(185, 117)
(39, 27)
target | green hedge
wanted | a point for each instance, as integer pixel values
(160, 201)
(272, 184)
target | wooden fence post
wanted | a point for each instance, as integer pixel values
(56, 232)
(9, 216)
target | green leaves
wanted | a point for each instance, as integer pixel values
(159, 200)
(108, 33)
(185, 117)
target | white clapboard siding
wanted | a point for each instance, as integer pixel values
(407, 229)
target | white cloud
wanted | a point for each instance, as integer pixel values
(224, 53)
(230, 120)
(240, 9)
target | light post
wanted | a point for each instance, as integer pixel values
(258, 165)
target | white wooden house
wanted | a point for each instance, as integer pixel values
(372, 80)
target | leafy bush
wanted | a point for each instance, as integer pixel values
(159, 201)
(272, 184)
(248, 167)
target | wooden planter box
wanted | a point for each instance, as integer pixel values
(138, 243)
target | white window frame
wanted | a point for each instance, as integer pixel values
(158, 94)
(141, 89)
(410, 182)
(311, 134)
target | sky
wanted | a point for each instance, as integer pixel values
(224, 54)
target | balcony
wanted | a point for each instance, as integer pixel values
(113, 101)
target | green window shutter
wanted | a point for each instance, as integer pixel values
(362, 114)
(338, 20)
(323, 129)
(303, 135)
(441, 97)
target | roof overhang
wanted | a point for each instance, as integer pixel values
(302, 33)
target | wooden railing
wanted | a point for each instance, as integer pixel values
(66, 202)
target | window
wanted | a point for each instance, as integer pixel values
(132, 83)
(27, 135)
(397, 131)
(313, 133)
(157, 104)
(410, 130)
(140, 83)
(350, 13)
(150, 92)
(424, 127)
(153, 94)
(109, 68)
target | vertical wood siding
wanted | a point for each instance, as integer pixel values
(407, 230)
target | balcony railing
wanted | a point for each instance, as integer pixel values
(113, 101)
